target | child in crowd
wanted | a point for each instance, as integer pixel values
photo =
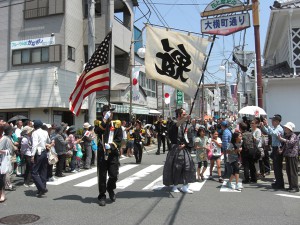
(234, 149)
(78, 152)
(201, 142)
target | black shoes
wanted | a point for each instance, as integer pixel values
(157, 153)
(60, 175)
(276, 186)
(112, 196)
(41, 193)
(294, 190)
(102, 201)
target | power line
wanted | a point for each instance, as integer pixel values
(157, 13)
(181, 4)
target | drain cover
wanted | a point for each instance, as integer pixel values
(19, 219)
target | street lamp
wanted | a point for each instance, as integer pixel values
(227, 75)
(141, 52)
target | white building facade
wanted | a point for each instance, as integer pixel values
(44, 45)
(281, 73)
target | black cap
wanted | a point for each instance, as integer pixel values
(37, 124)
(107, 108)
(72, 130)
(276, 117)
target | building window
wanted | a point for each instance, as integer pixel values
(71, 53)
(36, 55)
(296, 46)
(97, 8)
(121, 62)
(41, 8)
(148, 85)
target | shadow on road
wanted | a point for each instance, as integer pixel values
(143, 194)
(88, 200)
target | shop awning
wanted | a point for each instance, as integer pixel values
(154, 111)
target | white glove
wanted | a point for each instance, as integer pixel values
(107, 115)
(107, 146)
(141, 143)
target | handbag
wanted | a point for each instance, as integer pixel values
(94, 146)
(6, 166)
(52, 158)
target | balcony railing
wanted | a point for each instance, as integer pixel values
(121, 22)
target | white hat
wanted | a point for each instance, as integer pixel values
(47, 125)
(27, 130)
(290, 126)
(86, 125)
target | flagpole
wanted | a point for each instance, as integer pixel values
(91, 50)
(202, 76)
(110, 51)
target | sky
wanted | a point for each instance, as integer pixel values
(187, 17)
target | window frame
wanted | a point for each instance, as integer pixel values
(71, 53)
(30, 55)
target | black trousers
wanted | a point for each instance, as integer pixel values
(138, 152)
(292, 171)
(249, 165)
(104, 167)
(60, 164)
(277, 164)
(27, 174)
(161, 139)
(39, 171)
(266, 160)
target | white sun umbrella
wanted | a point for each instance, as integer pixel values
(252, 110)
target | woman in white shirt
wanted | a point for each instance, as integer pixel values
(215, 144)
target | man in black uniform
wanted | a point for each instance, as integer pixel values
(107, 157)
(160, 129)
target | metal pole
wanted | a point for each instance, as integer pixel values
(255, 10)
(203, 99)
(255, 83)
(163, 99)
(91, 50)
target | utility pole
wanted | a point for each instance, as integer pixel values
(91, 50)
(203, 100)
(255, 10)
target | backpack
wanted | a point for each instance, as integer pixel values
(250, 146)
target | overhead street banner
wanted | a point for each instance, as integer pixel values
(225, 25)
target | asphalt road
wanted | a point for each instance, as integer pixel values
(142, 199)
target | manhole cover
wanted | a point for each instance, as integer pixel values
(19, 219)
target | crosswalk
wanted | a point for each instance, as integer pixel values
(134, 174)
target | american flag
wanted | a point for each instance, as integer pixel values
(95, 76)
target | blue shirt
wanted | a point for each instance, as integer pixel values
(226, 139)
(274, 132)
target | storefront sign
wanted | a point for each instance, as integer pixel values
(179, 97)
(217, 4)
(225, 25)
(32, 43)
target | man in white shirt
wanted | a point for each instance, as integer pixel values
(40, 143)
(18, 130)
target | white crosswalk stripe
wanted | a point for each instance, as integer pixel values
(155, 185)
(72, 177)
(94, 180)
(131, 179)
